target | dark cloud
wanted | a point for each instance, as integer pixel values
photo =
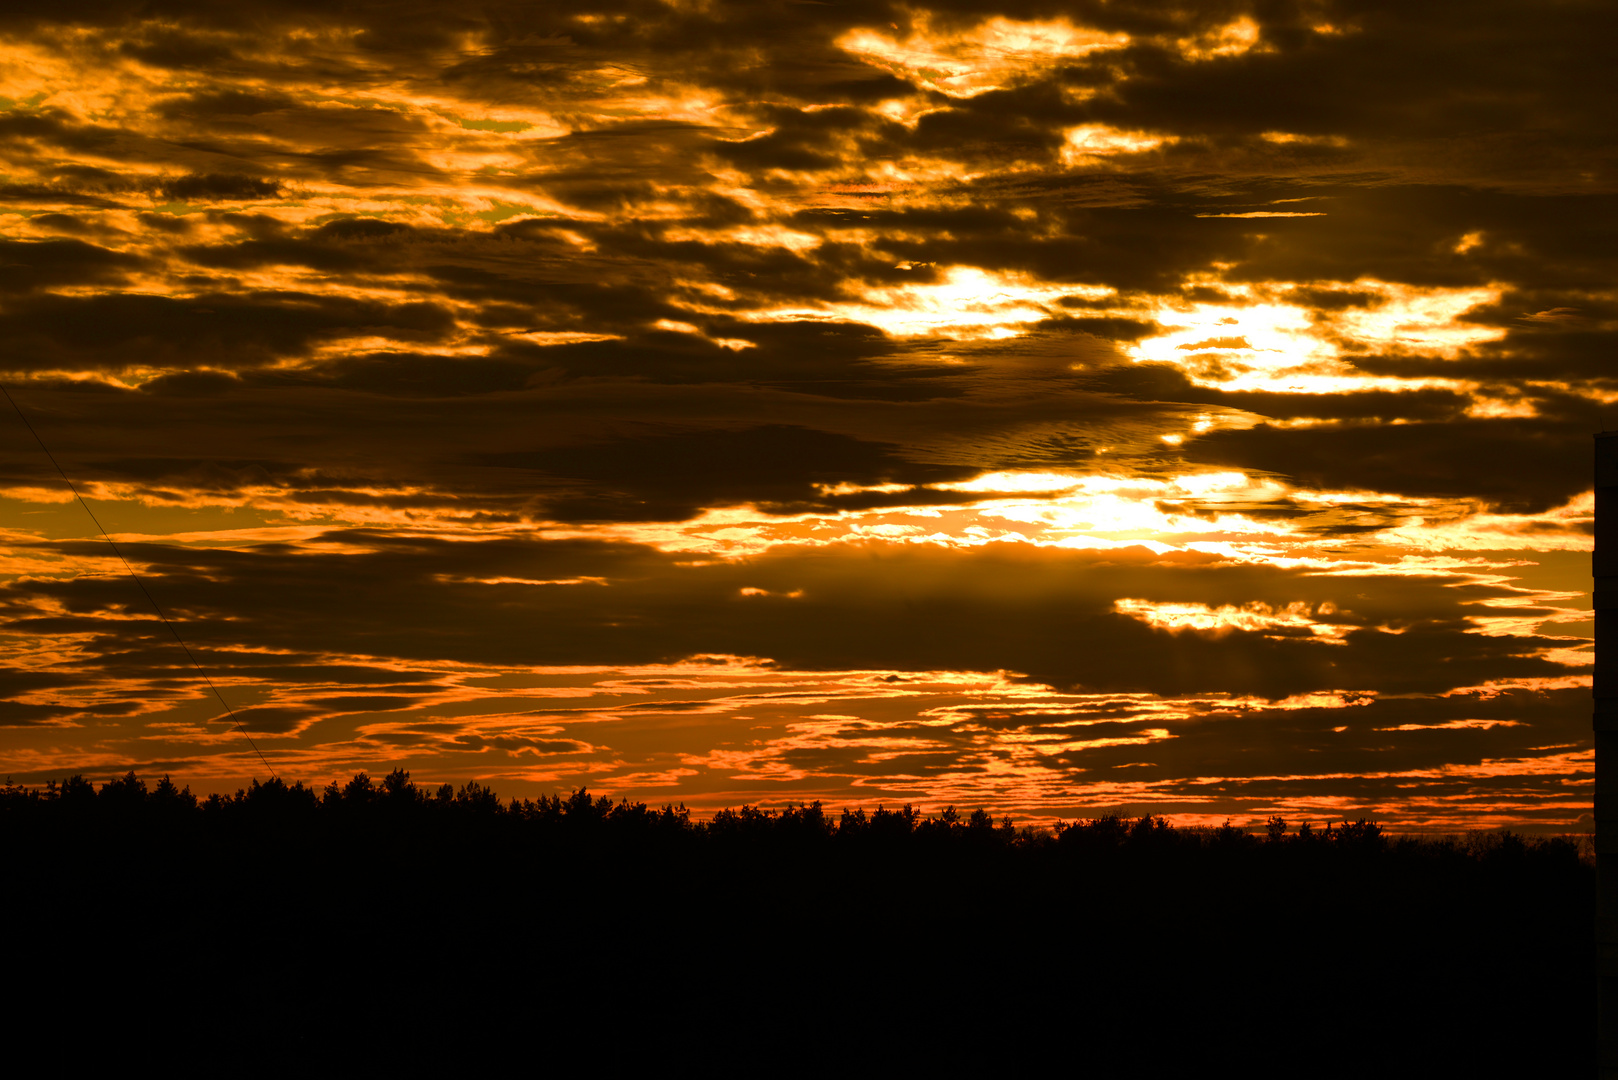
(1512, 465)
(51, 195)
(1410, 234)
(1164, 382)
(219, 187)
(669, 477)
(166, 48)
(116, 331)
(228, 102)
(39, 265)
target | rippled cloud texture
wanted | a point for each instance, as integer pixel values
(1049, 407)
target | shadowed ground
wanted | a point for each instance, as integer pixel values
(288, 927)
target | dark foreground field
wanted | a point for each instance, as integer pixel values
(290, 928)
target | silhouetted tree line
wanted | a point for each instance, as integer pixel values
(398, 803)
(844, 941)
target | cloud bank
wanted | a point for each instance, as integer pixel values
(1047, 407)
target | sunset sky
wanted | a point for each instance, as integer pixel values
(1052, 407)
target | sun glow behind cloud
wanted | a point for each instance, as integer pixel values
(967, 304)
(1255, 343)
(1092, 144)
(1256, 617)
(993, 54)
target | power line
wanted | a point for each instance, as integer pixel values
(142, 585)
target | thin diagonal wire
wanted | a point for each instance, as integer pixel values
(131, 570)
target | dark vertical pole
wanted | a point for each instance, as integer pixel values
(1605, 570)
